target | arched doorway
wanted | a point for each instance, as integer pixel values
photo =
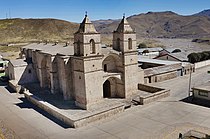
(113, 88)
(107, 89)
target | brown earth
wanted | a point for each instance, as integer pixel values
(149, 25)
(29, 30)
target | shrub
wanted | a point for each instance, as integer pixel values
(176, 51)
(197, 57)
(145, 51)
(142, 45)
(192, 58)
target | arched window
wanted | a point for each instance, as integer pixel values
(118, 44)
(78, 47)
(92, 47)
(129, 43)
(105, 67)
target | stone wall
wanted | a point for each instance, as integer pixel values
(28, 75)
(166, 76)
(147, 88)
(150, 94)
(197, 94)
(73, 120)
(154, 97)
(202, 64)
(160, 77)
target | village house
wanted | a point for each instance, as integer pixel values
(202, 91)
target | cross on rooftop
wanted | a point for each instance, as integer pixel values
(85, 13)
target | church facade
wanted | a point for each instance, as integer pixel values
(86, 72)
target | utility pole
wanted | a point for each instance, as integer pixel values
(190, 78)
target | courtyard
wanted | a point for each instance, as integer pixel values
(162, 119)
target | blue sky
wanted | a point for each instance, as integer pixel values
(73, 10)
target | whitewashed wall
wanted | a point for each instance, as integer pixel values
(202, 64)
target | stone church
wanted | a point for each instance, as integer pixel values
(86, 72)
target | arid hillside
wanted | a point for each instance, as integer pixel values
(150, 25)
(26, 30)
(162, 25)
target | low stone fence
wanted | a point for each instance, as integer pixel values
(75, 120)
(202, 64)
(14, 86)
(150, 89)
(154, 97)
(48, 108)
(148, 94)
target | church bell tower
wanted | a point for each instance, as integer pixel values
(124, 41)
(87, 39)
(124, 38)
(87, 69)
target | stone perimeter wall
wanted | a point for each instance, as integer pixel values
(72, 120)
(150, 89)
(156, 93)
(202, 64)
(156, 96)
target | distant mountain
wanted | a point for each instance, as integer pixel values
(152, 24)
(25, 30)
(162, 24)
(102, 23)
(204, 13)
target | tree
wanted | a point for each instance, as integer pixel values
(206, 55)
(197, 57)
(193, 57)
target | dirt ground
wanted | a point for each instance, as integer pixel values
(185, 44)
(6, 133)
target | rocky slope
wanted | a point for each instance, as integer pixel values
(162, 25)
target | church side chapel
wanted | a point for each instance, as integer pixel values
(86, 72)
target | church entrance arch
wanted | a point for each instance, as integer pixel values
(107, 89)
(113, 88)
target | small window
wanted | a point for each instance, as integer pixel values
(129, 43)
(202, 93)
(118, 44)
(78, 48)
(1, 65)
(92, 47)
(29, 71)
(105, 67)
